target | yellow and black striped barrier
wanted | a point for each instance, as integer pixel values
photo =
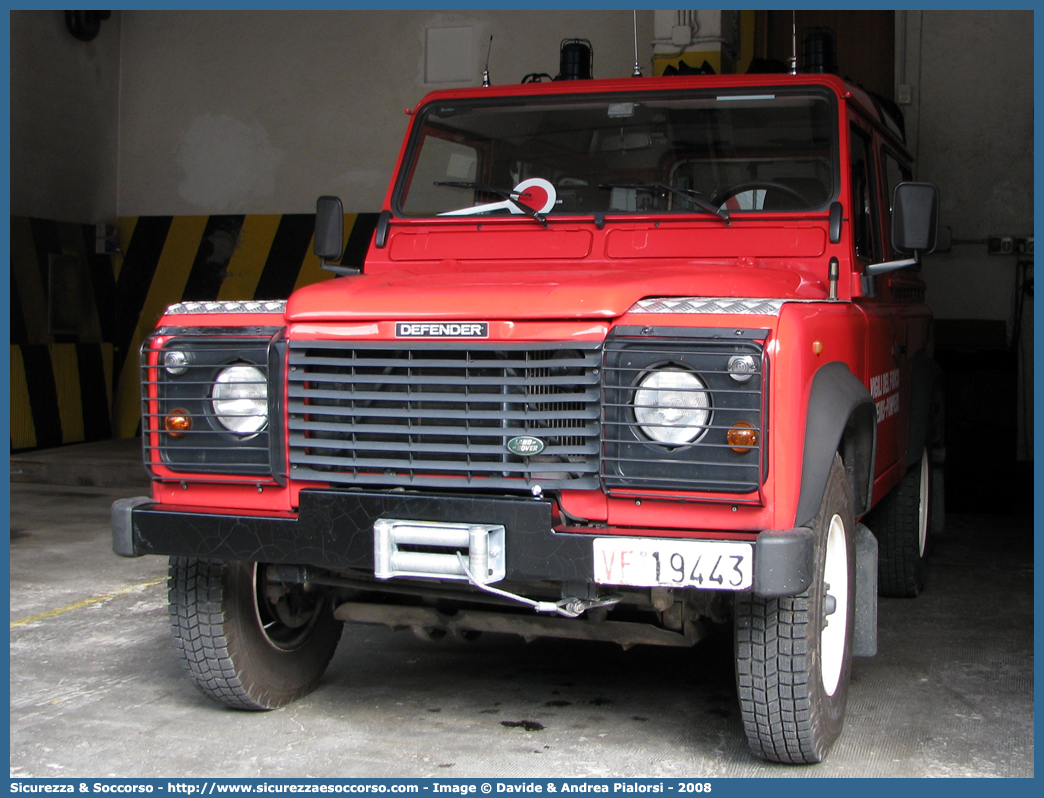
(67, 386)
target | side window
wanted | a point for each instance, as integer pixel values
(896, 172)
(864, 198)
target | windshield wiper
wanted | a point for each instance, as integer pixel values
(689, 194)
(510, 196)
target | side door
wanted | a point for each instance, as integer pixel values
(884, 351)
(904, 292)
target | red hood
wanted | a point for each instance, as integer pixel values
(452, 290)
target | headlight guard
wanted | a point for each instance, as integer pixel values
(669, 400)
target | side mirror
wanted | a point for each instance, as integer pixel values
(915, 217)
(329, 228)
(329, 232)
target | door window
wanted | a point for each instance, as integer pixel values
(864, 198)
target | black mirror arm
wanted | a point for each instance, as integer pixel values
(836, 213)
(337, 268)
(875, 269)
(381, 234)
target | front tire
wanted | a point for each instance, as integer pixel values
(794, 654)
(242, 644)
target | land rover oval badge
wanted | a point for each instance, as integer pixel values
(525, 446)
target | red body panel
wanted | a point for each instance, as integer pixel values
(584, 287)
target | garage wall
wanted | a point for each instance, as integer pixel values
(64, 156)
(203, 139)
(64, 116)
(225, 114)
(970, 124)
(206, 258)
(192, 115)
(61, 309)
(971, 128)
(260, 112)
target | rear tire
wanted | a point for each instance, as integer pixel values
(240, 647)
(901, 522)
(794, 654)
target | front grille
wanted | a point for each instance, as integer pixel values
(442, 414)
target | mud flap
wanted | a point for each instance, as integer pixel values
(864, 637)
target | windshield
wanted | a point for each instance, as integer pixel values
(697, 152)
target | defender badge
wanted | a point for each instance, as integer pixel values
(525, 446)
(436, 329)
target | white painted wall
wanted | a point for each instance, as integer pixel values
(261, 112)
(64, 103)
(971, 128)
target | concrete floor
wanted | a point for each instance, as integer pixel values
(96, 690)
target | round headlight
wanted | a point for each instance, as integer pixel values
(240, 399)
(672, 406)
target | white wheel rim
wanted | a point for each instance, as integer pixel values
(923, 502)
(835, 624)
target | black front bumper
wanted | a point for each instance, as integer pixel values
(334, 530)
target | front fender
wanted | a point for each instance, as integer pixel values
(841, 418)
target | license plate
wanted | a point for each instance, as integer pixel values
(642, 562)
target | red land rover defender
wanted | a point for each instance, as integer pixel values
(626, 357)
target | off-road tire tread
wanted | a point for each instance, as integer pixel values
(197, 620)
(200, 623)
(787, 716)
(772, 678)
(901, 571)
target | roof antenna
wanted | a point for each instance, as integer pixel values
(637, 69)
(793, 43)
(485, 72)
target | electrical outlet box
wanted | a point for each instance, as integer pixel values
(1000, 245)
(1009, 245)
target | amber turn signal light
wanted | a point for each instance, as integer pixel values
(742, 437)
(177, 422)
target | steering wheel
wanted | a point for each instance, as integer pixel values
(760, 185)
